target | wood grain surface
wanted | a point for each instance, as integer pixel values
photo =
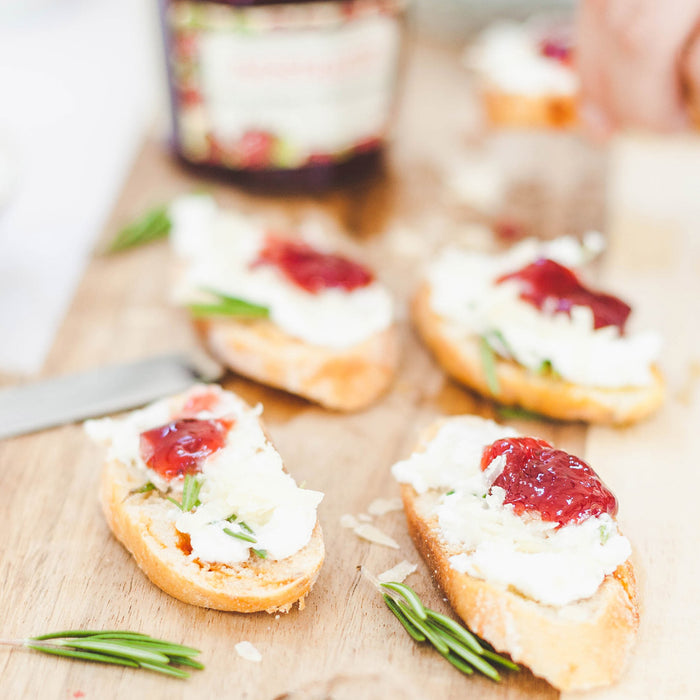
(61, 568)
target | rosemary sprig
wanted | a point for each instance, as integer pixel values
(119, 647)
(246, 535)
(515, 413)
(154, 224)
(240, 535)
(190, 494)
(453, 641)
(225, 305)
(488, 362)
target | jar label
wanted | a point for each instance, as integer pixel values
(283, 86)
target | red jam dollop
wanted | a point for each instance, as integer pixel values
(560, 487)
(548, 285)
(199, 402)
(310, 269)
(179, 447)
(558, 49)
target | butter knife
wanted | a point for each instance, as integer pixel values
(44, 404)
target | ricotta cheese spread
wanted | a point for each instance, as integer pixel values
(508, 57)
(220, 249)
(550, 564)
(465, 293)
(245, 479)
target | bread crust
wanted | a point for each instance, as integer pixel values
(524, 111)
(141, 523)
(570, 653)
(345, 380)
(517, 386)
(579, 646)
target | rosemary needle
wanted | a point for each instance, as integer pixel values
(120, 647)
(453, 641)
(154, 224)
(225, 305)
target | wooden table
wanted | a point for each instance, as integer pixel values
(61, 568)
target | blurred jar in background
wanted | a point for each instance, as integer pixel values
(283, 95)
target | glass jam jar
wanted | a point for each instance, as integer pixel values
(282, 95)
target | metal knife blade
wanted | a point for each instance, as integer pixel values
(45, 404)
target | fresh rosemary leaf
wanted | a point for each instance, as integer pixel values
(497, 658)
(190, 492)
(409, 595)
(186, 661)
(500, 340)
(262, 553)
(515, 413)
(433, 635)
(120, 647)
(471, 658)
(545, 367)
(154, 224)
(164, 668)
(146, 488)
(245, 527)
(226, 305)
(460, 633)
(240, 535)
(408, 625)
(453, 641)
(115, 648)
(488, 363)
(459, 664)
(85, 655)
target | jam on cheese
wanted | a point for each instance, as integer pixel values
(557, 49)
(536, 477)
(204, 401)
(310, 269)
(179, 447)
(551, 287)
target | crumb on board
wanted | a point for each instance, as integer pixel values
(398, 573)
(381, 506)
(248, 652)
(373, 534)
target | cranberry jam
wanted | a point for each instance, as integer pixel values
(537, 478)
(549, 286)
(179, 447)
(310, 269)
(282, 94)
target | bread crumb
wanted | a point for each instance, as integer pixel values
(373, 534)
(348, 520)
(381, 506)
(364, 518)
(248, 652)
(398, 573)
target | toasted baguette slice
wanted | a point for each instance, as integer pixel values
(517, 386)
(534, 112)
(578, 646)
(143, 523)
(138, 522)
(344, 380)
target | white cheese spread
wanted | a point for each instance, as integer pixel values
(220, 249)
(550, 564)
(507, 56)
(244, 478)
(464, 291)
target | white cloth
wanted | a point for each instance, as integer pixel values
(77, 83)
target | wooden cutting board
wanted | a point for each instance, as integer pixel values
(61, 568)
